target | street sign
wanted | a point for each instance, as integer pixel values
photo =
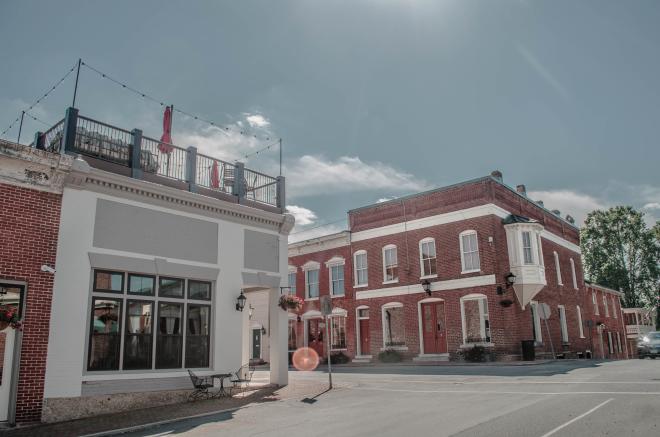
(544, 311)
(326, 305)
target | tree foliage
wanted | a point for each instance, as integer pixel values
(621, 252)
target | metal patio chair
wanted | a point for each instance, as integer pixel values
(242, 376)
(202, 384)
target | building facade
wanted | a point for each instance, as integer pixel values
(606, 326)
(434, 274)
(638, 323)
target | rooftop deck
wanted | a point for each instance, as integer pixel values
(132, 154)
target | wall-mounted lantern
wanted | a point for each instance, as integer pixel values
(426, 285)
(240, 302)
(510, 279)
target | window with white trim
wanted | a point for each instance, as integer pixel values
(528, 251)
(595, 303)
(427, 257)
(607, 308)
(562, 323)
(575, 284)
(337, 280)
(469, 252)
(390, 264)
(394, 327)
(536, 321)
(474, 318)
(610, 345)
(312, 283)
(337, 332)
(614, 311)
(618, 342)
(579, 319)
(292, 282)
(360, 263)
(559, 282)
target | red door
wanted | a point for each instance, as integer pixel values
(315, 335)
(364, 337)
(433, 328)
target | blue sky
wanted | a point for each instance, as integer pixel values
(374, 99)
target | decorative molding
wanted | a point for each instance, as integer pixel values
(83, 177)
(326, 242)
(451, 284)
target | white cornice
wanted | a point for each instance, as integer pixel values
(27, 167)
(326, 242)
(450, 284)
(83, 177)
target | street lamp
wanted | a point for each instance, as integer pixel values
(240, 302)
(426, 285)
(510, 279)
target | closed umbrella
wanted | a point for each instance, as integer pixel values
(215, 175)
(166, 139)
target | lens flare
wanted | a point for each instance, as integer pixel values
(305, 359)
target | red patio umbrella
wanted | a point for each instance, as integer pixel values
(215, 176)
(166, 139)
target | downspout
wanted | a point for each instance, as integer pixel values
(16, 364)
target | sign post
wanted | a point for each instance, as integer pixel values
(326, 311)
(544, 313)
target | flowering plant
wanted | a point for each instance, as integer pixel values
(290, 302)
(9, 316)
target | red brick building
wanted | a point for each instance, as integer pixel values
(607, 323)
(433, 274)
(30, 201)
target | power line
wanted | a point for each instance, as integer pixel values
(39, 100)
(319, 226)
(160, 102)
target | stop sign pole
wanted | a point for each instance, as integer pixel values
(326, 310)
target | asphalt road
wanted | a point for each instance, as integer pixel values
(620, 398)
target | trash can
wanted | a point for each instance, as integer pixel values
(528, 352)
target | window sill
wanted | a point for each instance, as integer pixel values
(391, 282)
(337, 295)
(428, 277)
(361, 286)
(470, 345)
(394, 348)
(307, 299)
(465, 272)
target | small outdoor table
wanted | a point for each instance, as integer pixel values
(221, 377)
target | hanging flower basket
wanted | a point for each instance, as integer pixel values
(290, 302)
(9, 317)
(506, 303)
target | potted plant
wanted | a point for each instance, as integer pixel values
(9, 317)
(290, 302)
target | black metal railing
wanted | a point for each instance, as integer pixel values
(89, 137)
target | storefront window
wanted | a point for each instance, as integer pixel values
(105, 339)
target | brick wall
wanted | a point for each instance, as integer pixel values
(30, 221)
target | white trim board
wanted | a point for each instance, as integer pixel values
(451, 284)
(452, 217)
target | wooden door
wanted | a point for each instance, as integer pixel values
(315, 335)
(256, 344)
(433, 328)
(364, 337)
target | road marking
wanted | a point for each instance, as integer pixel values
(414, 381)
(575, 419)
(485, 392)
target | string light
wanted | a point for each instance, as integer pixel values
(146, 96)
(249, 155)
(38, 119)
(39, 100)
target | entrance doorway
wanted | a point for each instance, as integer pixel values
(256, 344)
(434, 330)
(11, 296)
(315, 335)
(363, 331)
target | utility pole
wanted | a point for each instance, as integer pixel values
(75, 89)
(280, 156)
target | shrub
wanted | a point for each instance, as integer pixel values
(390, 356)
(475, 354)
(337, 358)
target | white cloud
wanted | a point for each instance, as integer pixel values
(652, 205)
(569, 202)
(303, 215)
(314, 175)
(384, 199)
(257, 120)
(307, 234)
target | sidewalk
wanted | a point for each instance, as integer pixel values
(99, 425)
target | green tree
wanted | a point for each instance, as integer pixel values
(621, 252)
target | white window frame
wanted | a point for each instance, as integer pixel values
(579, 317)
(614, 311)
(292, 287)
(562, 323)
(594, 300)
(336, 261)
(618, 342)
(536, 320)
(388, 248)
(474, 269)
(524, 248)
(575, 284)
(384, 308)
(484, 331)
(558, 268)
(356, 270)
(610, 343)
(607, 307)
(338, 313)
(308, 267)
(422, 270)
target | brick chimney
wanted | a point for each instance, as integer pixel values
(497, 175)
(521, 190)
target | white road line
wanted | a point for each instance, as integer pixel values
(485, 392)
(413, 381)
(575, 419)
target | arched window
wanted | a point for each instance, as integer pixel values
(427, 258)
(575, 284)
(469, 251)
(311, 269)
(360, 263)
(390, 264)
(474, 318)
(579, 319)
(394, 332)
(559, 282)
(338, 329)
(336, 275)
